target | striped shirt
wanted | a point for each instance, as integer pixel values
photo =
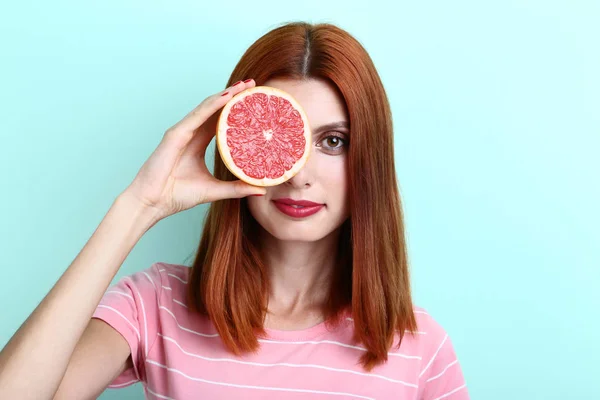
(177, 354)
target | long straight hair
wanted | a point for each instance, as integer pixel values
(229, 282)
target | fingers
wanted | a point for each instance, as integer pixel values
(188, 126)
(234, 190)
(202, 137)
(186, 132)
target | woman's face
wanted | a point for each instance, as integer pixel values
(322, 180)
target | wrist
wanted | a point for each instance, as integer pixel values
(141, 214)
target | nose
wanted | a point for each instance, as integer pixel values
(305, 177)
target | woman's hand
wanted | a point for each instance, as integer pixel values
(175, 176)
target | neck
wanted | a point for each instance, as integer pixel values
(300, 273)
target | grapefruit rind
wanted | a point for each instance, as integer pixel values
(223, 148)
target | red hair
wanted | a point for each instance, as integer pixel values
(229, 282)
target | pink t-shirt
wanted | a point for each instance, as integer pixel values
(178, 355)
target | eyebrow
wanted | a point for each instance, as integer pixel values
(333, 125)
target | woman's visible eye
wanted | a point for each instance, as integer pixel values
(333, 143)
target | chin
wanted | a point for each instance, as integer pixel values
(295, 232)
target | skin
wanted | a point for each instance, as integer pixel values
(300, 252)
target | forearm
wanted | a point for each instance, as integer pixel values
(34, 361)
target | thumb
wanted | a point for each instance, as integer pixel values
(236, 189)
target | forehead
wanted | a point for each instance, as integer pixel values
(319, 98)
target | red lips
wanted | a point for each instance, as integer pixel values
(292, 202)
(297, 208)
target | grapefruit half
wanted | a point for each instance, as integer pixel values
(263, 136)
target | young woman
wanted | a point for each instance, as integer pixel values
(275, 306)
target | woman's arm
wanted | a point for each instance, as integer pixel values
(34, 361)
(174, 178)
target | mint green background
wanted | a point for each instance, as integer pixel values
(497, 113)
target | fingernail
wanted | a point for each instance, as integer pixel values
(225, 94)
(247, 80)
(237, 83)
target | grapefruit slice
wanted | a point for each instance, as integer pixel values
(263, 136)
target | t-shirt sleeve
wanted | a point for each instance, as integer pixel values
(131, 307)
(441, 376)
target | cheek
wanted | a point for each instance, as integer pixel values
(333, 174)
(256, 204)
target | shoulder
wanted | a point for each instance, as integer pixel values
(172, 272)
(423, 343)
(440, 372)
(157, 278)
(428, 327)
(174, 283)
(430, 336)
(142, 293)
